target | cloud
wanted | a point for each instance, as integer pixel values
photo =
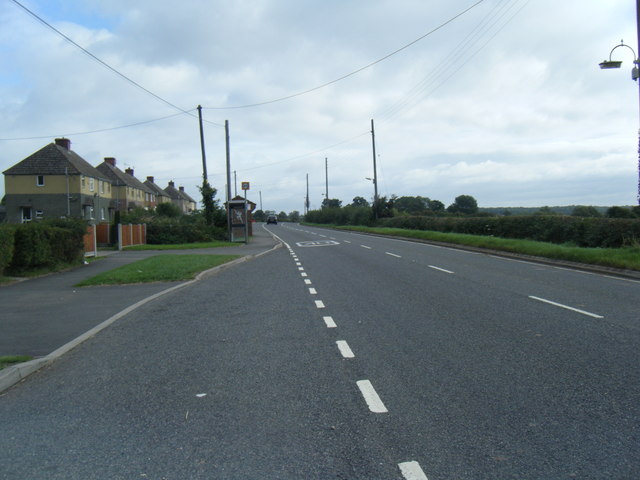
(506, 103)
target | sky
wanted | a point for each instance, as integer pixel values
(502, 100)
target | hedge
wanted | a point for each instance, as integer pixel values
(580, 231)
(162, 233)
(6, 246)
(39, 244)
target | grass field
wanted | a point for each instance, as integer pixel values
(159, 268)
(182, 246)
(625, 258)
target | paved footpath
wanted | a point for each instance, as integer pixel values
(42, 314)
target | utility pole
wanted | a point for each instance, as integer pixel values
(226, 136)
(375, 173)
(306, 202)
(204, 157)
(326, 176)
(260, 192)
(235, 184)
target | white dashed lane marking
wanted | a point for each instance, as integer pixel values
(329, 322)
(412, 471)
(344, 348)
(371, 397)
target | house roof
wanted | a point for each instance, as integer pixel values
(54, 160)
(120, 178)
(177, 194)
(156, 189)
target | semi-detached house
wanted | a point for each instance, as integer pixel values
(128, 192)
(56, 182)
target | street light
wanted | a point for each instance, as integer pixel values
(635, 73)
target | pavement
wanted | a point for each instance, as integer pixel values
(47, 316)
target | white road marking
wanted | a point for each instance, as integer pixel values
(319, 304)
(329, 322)
(393, 254)
(303, 274)
(371, 397)
(365, 246)
(412, 471)
(344, 348)
(347, 241)
(313, 291)
(298, 264)
(583, 312)
(307, 281)
(323, 236)
(440, 269)
(301, 268)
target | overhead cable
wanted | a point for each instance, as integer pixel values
(103, 63)
(343, 77)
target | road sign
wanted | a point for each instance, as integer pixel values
(245, 185)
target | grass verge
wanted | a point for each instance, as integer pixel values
(625, 258)
(181, 246)
(160, 268)
(8, 360)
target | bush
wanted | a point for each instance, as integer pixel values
(40, 244)
(161, 232)
(6, 246)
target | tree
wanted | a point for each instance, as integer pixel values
(411, 205)
(208, 194)
(383, 208)
(584, 211)
(465, 204)
(620, 212)
(359, 202)
(331, 203)
(436, 206)
(545, 211)
(259, 216)
(294, 216)
(168, 209)
(282, 216)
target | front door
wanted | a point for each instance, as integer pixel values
(26, 214)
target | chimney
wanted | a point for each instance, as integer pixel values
(171, 184)
(129, 171)
(64, 143)
(110, 160)
(150, 179)
(181, 189)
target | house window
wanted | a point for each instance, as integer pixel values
(88, 212)
(82, 181)
(102, 213)
(39, 214)
(91, 184)
(101, 186)
(40, 180)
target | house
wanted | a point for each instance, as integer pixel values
(161, 195)
(56, 182)
(128, 192)
(180, 198)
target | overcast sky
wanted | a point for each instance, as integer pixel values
(505, 103)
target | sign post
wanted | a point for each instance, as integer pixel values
(245, 187)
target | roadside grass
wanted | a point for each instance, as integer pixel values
(160, 268)
(625, 258)
(6, 280)
(8, 360)
(181, 246)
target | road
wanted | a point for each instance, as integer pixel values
(351, 357)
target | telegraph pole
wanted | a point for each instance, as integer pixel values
(306, 202)
(204, 157)
(226, 136)
(375, 173)
(326, 176)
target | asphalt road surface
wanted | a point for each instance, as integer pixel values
(343, 356)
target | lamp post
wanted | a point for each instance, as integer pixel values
(635, 73)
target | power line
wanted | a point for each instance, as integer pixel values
(95, 131)
(343, 77)
(104, 64)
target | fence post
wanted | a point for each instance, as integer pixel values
(119, 236)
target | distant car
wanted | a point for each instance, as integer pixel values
(272, 219)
